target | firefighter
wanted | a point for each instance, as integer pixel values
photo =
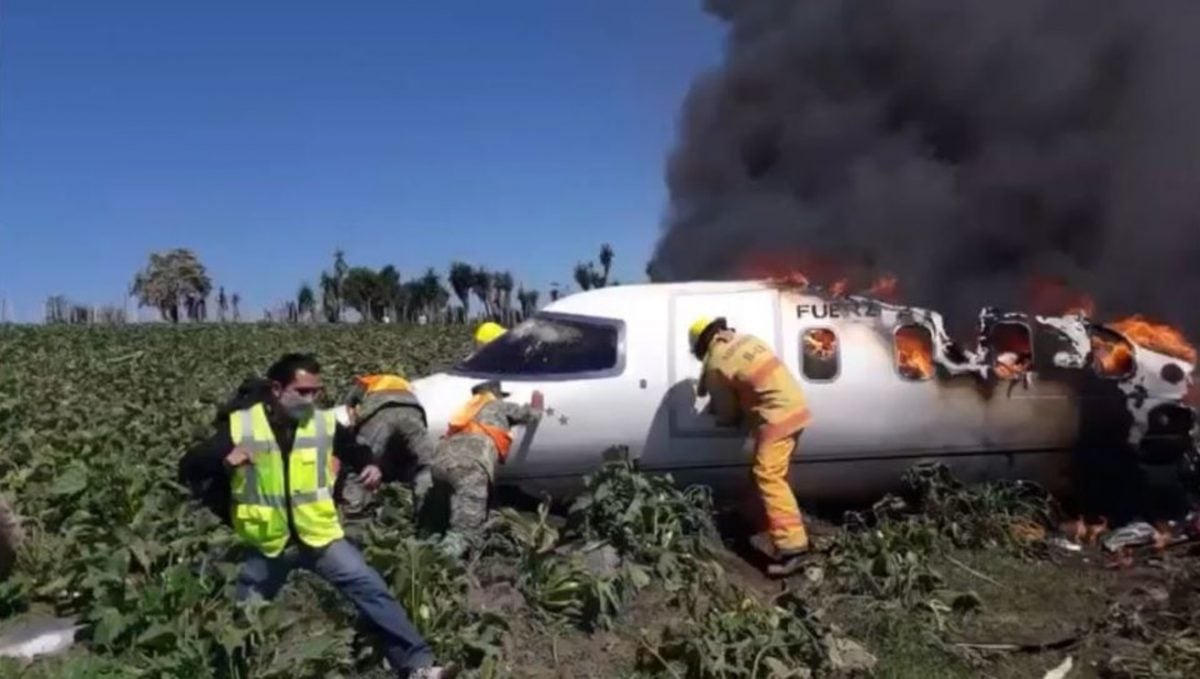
(386, 417)
(477, 438)
(750, 386)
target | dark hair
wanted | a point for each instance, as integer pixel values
(284, 370)
(253, 389)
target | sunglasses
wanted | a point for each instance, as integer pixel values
(309, 391)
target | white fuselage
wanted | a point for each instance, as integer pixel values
(869, 423)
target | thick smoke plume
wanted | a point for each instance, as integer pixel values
(962, 145)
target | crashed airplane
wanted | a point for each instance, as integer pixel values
(887, 388)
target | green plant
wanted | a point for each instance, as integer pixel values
(736, 636)
(647, 518)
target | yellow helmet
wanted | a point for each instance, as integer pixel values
(696, 329)
(487, 332)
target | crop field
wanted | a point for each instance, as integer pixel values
(638, 578)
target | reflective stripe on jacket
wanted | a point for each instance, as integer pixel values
(259, 496)
(465, 421)
(742, 372)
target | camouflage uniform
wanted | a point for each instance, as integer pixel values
(466, 462)
(393, 425)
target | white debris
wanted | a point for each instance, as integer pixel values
(1062, 670)
(39, 636)
(1129, 535)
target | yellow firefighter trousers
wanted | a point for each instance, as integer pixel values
(784, 520)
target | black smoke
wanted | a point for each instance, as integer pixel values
(962, 145)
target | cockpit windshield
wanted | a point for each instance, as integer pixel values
(549, 344)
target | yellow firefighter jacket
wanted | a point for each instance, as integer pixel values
(745, 379)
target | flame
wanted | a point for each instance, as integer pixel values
(1081, 532)
(1010, 343)
(1156, 337)
(803, 270)
(1163, 535)
(885, 288)
(820, 343)
(1111, 356)
(914, 352)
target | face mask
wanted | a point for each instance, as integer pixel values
(297, 407)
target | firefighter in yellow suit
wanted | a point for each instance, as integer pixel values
(748, 384)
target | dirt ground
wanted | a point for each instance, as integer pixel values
(1034, 614)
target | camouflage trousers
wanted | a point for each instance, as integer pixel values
(463, 468)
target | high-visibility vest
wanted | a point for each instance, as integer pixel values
(762, 383)
(260, 502)
(464, 421)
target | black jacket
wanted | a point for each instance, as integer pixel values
(202, 468)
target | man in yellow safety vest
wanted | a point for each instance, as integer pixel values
(278, 458)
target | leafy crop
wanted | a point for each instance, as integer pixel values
(647, 518)
(92, 424)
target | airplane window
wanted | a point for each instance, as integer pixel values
(1112, 355)
(549, 345)
(913, 349)
(1011, 350)
(819, 354)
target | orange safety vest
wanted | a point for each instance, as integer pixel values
(376, 383)
(464, 421)
(373, 384)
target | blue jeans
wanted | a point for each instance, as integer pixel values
(340, 564)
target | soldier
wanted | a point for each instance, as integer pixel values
(479, 437)
(389, 419)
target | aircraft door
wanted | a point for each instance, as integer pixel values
(697, 442)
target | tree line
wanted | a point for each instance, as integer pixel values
(177, 285)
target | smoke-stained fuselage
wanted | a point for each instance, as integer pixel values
(615, 370)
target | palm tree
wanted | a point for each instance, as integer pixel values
(504, 288)
(306, 302)
(360, 292)
(606, 260)
(340, 270)
(584, 275)
(388, 289)
(237, 312)
(436, 297)
(462, 277)
(222, 305)
(481, 285)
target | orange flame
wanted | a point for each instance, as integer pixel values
(1156, 337)
(914, 352)
(1111, 356)
(802, 270)
(1081, 532)
(1013, 349)
(820, 343)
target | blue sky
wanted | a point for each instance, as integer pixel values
(266, 134)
